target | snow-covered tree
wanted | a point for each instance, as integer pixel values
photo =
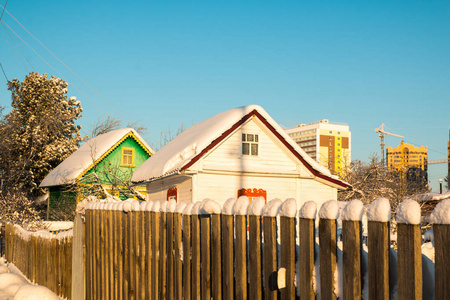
(38, 133)
(372, 180)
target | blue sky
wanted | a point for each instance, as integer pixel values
(164, 63)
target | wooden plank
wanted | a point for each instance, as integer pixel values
(287, 237)
(163, 255)
(148, 254)
(351, 259)
(126, 253)
(136, 254)
(270, 258)
(131, 254)
(142, 234)
(205, 242)
(119, 254)
(170, 259)
(409, 261)
(327, 253)
(442, 254)
(378, 243)
(228, 256)
(196, 287)
(178, 264)
(306, 258)
(241, 257)
(255, 267)
(155, 255)
(216, 257)
(187, 238)
(78, 260)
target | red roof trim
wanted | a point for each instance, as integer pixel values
(276, 133)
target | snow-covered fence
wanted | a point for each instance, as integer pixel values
(165, 250)
(44, 258)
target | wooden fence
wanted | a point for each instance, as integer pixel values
(44, 258)
(144, 254)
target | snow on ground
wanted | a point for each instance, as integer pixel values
(15, 286)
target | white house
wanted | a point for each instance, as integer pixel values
(242, 151)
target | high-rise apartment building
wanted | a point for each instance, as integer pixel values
(327, 143)
(406, 156)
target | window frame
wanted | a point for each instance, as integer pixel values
(250, 143)
(122, 162)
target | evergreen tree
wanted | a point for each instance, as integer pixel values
(38, 133)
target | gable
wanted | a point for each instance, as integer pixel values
(273, 157)
(112, 161)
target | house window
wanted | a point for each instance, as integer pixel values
(252, 193)
(250, 144)
(128, 157)
(172, 194)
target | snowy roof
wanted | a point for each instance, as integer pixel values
(88, 155)
(185, 149)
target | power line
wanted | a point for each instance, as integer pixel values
(4, 72)
(73, 72)
(18, 46)
(4, 8)
(14, 51)
(54, 68)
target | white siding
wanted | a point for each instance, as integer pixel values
(157, 190)
(311, 189)
(227, 156)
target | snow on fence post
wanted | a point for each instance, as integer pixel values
(187, 242)
(170, 282)
(328, 214)
(270, 249)
(162, 251)
(227, 249)
(307, 216)
(288, 211)
(379, 215)
(440, 218)
(255, 266)
(240, 215)
(352, 247)
(178, 278)
(409, 253)
(196, 279)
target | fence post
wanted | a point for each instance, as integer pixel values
(155, 249)
(162, 251)
(288, 211)
(378, 242)
(196, 279)
(240, 220)
(205, 242)
(228, 249)
(440, 217)
(306, 230)
(142, 235)
(409, 257)
(78, 259)
(169, 255)
(187, 240)
(352, 246)
(214, 210)
(178, 276)
(255, 259)
(327, 248)
(147, 231)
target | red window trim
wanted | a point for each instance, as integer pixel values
(172, 192)
(252, 193)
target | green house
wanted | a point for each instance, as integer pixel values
(103, 165)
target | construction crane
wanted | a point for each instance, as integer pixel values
(381, 135)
